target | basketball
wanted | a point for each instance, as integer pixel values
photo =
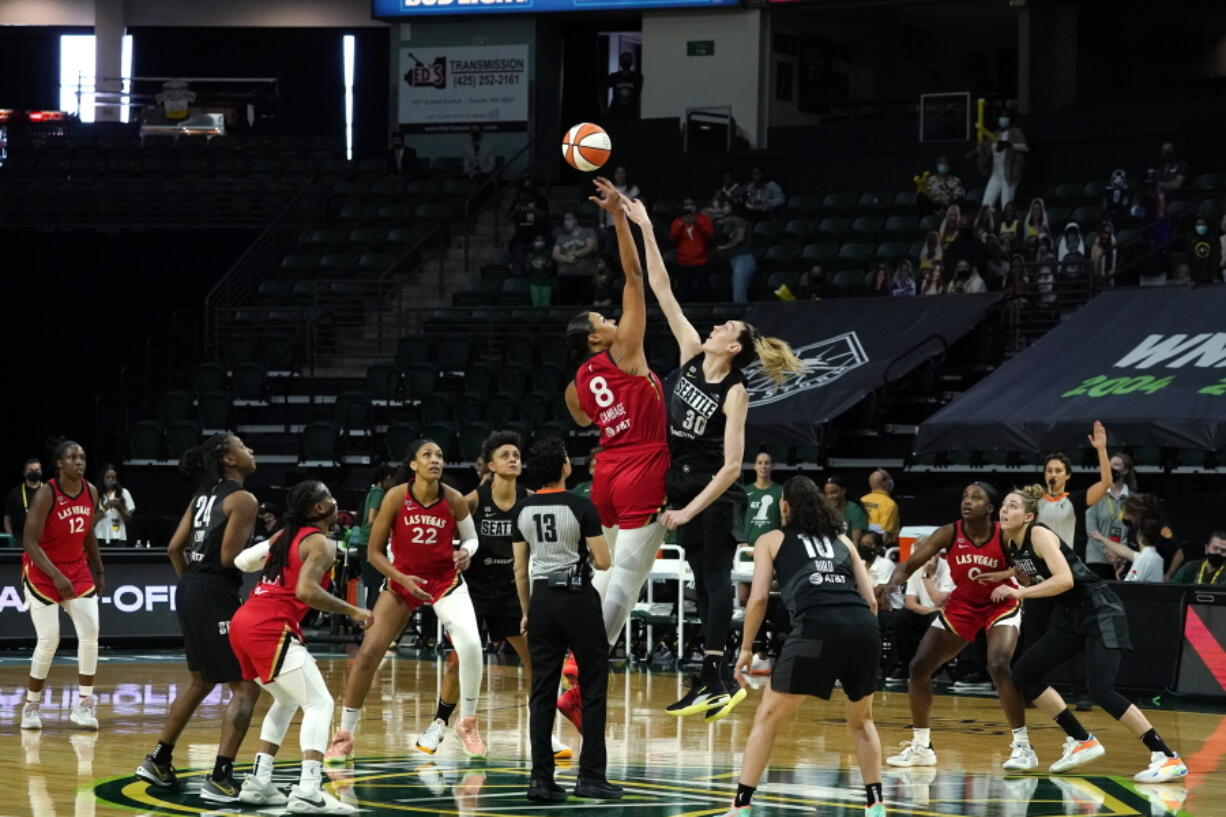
(586, 147)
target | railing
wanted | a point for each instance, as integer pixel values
(182, 204)
(488, 194)
(1040, 298)
(278, 238)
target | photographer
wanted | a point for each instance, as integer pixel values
(555, 534)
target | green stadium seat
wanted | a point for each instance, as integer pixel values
(437, 410)
(174, 407)
(214, 408)
(468, 408)
(208, 377)
(181, 436)
(248, 380)
(534, 408)
(398, 439)
(833, 227)
(318, 444)
(420, 381)
(472, 440)
(819, 253)
(382, 382)
(479, 381)
(501, 409)
(866, 227)
(411, 350)
(145, 440)
(351, 412)
(511, 380)
(548, 379)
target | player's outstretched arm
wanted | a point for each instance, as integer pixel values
(628, 347)
(657, 277)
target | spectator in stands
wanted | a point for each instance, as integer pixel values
(855, 520)
(966, 246)
(941, 188)
(996, 263)
(933, 282)
(948, 230)
(985, 222)
(1045, 279)
(1150, 207)
(1103, 254)
(574, 251)
(584, 489)
(1007, 229)
(692, 234)
(19, 499)
(1019, 275)
(1037, 225)
(879, 281)
(1138, 508)
(926, 592)
(1221, 249)
(115, 509)
(931, 251)
(1209, 570)
(625, 88)
(602, 282)
(966, 280)
(902, 283)
(530, 222)
(1201, 254)
(730, 191)
(763, 196)
(1071, 241)
(1144, 565)
(734, 234)
(608, 235)
(814, 284)
(880, 506)
(1105, 518)
(267, 522)
(479, 158)
(1173, 173)
(1117, 196)
(542, 271)
(1002, 162)
(384, 479)
(401, 159)
(871, 547)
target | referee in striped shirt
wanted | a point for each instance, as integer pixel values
(555, 536)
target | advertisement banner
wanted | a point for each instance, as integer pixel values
(446, 89)
(139, 601)
(1149, 363)
(394, 9)
(850, 347)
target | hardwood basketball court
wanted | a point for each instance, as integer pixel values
(669, 766)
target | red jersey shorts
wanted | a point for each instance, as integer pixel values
(628, 486)
(259, 642)
(966, 620)
(436, 587)
(42, 588)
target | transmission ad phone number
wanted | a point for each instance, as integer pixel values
(478, 80)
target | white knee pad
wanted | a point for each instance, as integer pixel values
(600, 578)
(636, 553)
(302, 685)
(456, 613)
(46, 619)
(84, 615)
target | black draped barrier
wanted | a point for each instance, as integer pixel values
(1149, 363)
(137, 605)
(851, 346)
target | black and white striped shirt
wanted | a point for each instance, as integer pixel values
(556, 525)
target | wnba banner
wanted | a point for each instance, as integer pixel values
(452, 88)
(1149, 363)
(850, 347)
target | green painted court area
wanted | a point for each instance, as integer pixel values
(406, 785)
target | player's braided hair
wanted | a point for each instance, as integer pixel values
(809, 510)
(298, 515)
(61, 448)
(202, 464)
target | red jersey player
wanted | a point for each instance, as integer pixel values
(976, 556)
(412, 544)
(266, 636)
(616, 390)
(60, 550)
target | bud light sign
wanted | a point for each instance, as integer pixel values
(391, 9)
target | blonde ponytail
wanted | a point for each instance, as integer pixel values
(777, 358)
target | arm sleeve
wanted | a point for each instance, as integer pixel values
(253, 558)
(468, 534)
(589, 520)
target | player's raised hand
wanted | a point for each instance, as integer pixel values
(610, 199)
(1099, 438)
(636, 211)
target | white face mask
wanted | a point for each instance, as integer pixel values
(1004, 121)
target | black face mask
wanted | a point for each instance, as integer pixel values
(34, 476)
(1215, 560)
(868, 554)
(1116, 475)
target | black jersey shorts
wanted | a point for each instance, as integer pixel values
(720, 523)
(205, 604)
(835, 644)
(498, 614)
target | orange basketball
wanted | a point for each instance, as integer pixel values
(586, 147)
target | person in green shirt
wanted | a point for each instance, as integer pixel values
(359, 537)
(584, 489)
(855, 520)
(1209, 570)
(762, 512)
